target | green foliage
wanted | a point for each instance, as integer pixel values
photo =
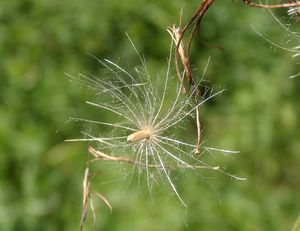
(41, 175)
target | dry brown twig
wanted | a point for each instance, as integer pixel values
(271, 6)
(87, 199)
(177, 35)
(102, 156)
(206, 4)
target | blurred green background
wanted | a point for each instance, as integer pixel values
(41, 175)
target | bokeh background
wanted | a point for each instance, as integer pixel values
(41, 174)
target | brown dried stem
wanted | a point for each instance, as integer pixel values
(271, 6)
(87, 199)
(177, 34)
(204, 6)
(102, 156)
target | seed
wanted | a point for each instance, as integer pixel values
(136, 136)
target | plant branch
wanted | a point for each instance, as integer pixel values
(271, 6)
(102, 156)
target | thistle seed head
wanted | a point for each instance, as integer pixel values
(146, 121)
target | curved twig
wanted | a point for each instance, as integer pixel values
(271, 6)
(102, 156)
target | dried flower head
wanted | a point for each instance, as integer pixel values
(149, 121)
